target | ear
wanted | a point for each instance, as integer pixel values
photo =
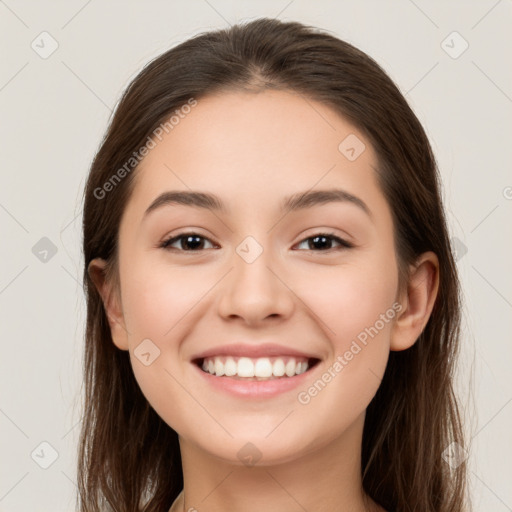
(417, 301)
(111, 302)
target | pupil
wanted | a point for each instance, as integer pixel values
(194, 245)
(316, 238)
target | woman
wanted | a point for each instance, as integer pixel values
(272, 302)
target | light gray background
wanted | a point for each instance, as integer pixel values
(54, 112)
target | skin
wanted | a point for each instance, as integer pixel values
(252, 150)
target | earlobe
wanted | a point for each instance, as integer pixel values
(418, 302)
(111, 302)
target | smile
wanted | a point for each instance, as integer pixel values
(261, 368)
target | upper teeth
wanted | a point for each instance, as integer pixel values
(260, 367)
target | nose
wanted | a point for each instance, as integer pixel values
(256, 291)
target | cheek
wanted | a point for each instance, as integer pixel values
(349, 299)
(157, 296)
(158, 304)
(357, 317)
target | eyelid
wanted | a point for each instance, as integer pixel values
(334, 233)
(164, 244)
(343, 243)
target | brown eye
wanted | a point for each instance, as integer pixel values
(191, 242)
(323, 242)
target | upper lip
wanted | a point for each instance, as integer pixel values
(253, 351)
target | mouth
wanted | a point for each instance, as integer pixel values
(255, 369)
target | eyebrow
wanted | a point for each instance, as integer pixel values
(295, 202)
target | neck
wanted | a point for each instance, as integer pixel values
(325, 478)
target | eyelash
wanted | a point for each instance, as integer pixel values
(344, 244)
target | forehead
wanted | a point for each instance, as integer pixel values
(249, 147)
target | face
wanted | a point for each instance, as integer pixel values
(256, 282)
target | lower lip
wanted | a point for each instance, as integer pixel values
(255, 388)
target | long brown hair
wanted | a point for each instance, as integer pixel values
(129, 458)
